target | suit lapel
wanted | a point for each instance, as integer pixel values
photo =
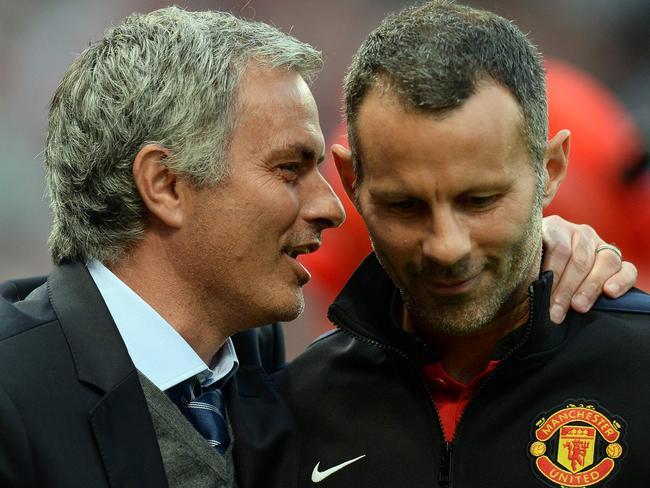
(126, 439)
(120, 421)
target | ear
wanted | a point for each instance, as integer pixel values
(343, 162)
(556, 162)
(161, 190)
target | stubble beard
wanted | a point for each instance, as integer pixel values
(464, 314)
(296, 310)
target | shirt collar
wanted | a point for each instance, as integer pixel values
(156, 348)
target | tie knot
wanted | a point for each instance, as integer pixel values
(184, 392)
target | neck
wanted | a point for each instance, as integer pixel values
(154, 278)
(465, 356)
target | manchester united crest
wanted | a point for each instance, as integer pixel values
(576, 445)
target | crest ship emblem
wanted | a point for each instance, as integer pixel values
(576, 445)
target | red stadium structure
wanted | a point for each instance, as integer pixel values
(605, 144)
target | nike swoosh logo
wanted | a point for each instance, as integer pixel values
(318, 476)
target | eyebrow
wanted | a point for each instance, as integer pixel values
(388, 193)
(304, 152)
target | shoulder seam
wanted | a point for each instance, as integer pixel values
(634, 301)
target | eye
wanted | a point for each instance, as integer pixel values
(480, 202)
(404, 206)
(289, 171)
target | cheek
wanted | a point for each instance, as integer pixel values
(284, 201)
(271, 209)
(395, 242)
(512, 214)
(504, 230)
(499, 234)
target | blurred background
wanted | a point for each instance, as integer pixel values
(598, 54)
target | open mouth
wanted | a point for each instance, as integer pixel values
(295, 251)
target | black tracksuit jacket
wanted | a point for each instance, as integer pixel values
(569, 404)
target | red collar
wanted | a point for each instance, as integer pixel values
(451, 396)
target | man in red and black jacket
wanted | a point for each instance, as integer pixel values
(447, 368)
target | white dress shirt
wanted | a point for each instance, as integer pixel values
(156, 349)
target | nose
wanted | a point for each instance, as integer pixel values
(321, 205)
(449, 238)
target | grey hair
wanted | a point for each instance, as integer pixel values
(434, 56)
(169, 77)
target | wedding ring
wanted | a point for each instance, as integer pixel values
(610, 247)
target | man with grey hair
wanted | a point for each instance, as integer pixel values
(182, 165)
(446, 369)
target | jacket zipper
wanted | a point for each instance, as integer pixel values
(447, 447)
(506, 356)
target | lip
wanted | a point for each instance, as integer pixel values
(309, 247)
(301, 272)
(452, 287)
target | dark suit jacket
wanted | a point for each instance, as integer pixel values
(72, 411)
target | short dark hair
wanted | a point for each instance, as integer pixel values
(433, 56)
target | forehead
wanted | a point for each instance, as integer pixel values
(276, 108)
(261, 86)
(481, 138)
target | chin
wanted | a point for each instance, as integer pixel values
(289, 309)
(455, 316)
(462, 327)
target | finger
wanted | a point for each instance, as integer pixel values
(621, 281)
(557, 248)
(607, 264)
(583, 247)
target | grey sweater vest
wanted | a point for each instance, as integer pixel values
(189, 461)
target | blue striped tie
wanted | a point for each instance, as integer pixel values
(205, 410)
